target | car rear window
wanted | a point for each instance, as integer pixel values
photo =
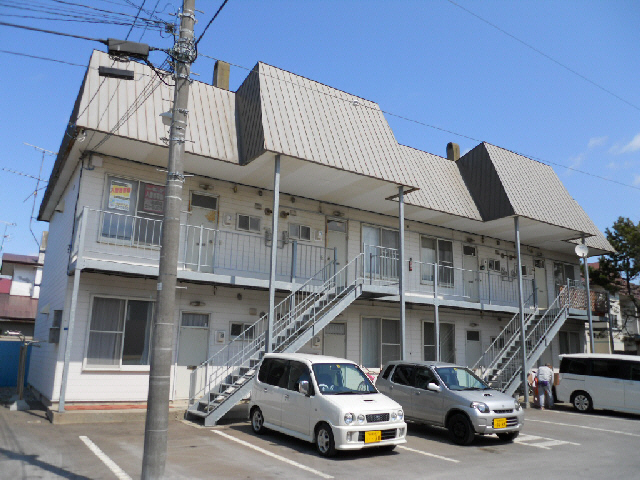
(576, 366)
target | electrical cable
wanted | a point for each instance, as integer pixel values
(211, 21)
(135, 19)
(548, 57)
(53, 32)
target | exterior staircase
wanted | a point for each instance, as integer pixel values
(503, 358)
(223, 380)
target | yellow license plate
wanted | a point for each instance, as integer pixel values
(499, 423)
(373, 436)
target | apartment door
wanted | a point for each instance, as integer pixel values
(200, 235)
(337, 246)
(193, 349)
(470, 273)
(335, 340)
(540, 275)
(473, 347)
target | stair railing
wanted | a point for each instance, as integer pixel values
(513, 367)
(251, 342)
(504, 340)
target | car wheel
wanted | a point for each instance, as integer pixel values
(460, 429)
(324, 441)
(582, 402)
(508, 436)
(257, 421)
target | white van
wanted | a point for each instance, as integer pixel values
(610, 382)
(324, 400)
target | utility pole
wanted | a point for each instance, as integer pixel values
(157, 422)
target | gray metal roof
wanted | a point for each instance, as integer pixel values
(448, 194)
(131, 109)
(291, 115)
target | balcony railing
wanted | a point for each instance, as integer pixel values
(115, 237)
(443, 281)
(110, 236)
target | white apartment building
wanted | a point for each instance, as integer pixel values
(352, 277)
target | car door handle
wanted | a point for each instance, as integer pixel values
(286, 397)
(390, 387)
(417, 393)
(266, 389)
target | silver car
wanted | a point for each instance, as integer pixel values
(451, 396)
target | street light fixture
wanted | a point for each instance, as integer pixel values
(583, 252)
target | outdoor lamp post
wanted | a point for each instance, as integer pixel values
(583, 252)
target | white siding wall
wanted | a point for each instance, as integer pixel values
(54, 292)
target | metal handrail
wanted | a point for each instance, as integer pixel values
(248, 345)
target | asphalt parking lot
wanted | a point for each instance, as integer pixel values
(554, 444)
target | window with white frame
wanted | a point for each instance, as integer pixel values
(132, 211)
(300, 232)
(380, 246)
(119, 332)
(437, 252)
(447, 342)
(248, 223)
(380, 341)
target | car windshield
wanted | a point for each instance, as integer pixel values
(459, 378)
(341, 379)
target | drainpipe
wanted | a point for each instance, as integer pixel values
(403, 313)
(274, 252)
(523, 343)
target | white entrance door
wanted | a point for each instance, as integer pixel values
(200, 236)
(337, 245)
(470, 273)
(335, 340)
(473, 348)
(541, 282)
(193, 349)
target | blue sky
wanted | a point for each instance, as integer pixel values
(429, 61)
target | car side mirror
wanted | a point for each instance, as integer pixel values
(303, 387)
(434, 387)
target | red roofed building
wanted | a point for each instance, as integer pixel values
(19, 292)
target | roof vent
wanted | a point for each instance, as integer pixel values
(453, 151)
(221, 74)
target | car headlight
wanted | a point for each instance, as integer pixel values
(361, 418)
(481, 407)
(400, 414)
(516, 404)
(348, 418)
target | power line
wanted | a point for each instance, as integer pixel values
(52, 32)
(211, 21)
(548, 57)
(418, 122)
(43, 58)
(135, 19)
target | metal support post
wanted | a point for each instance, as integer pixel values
(274, 252)
(403, 311)
(589, 317)
(523, 336)
(154, 457)
(436, 305)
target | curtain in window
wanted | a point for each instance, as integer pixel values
(105, 331)
(371, 240)
(390, 341)
(371, 342)
(137, 334)
(447, 342)
(445, 262)
(428, 258)
(195, 320)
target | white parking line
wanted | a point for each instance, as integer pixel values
(586, 428)
(273, 455)
(428, 454)
(540, 442)
(117, 471)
